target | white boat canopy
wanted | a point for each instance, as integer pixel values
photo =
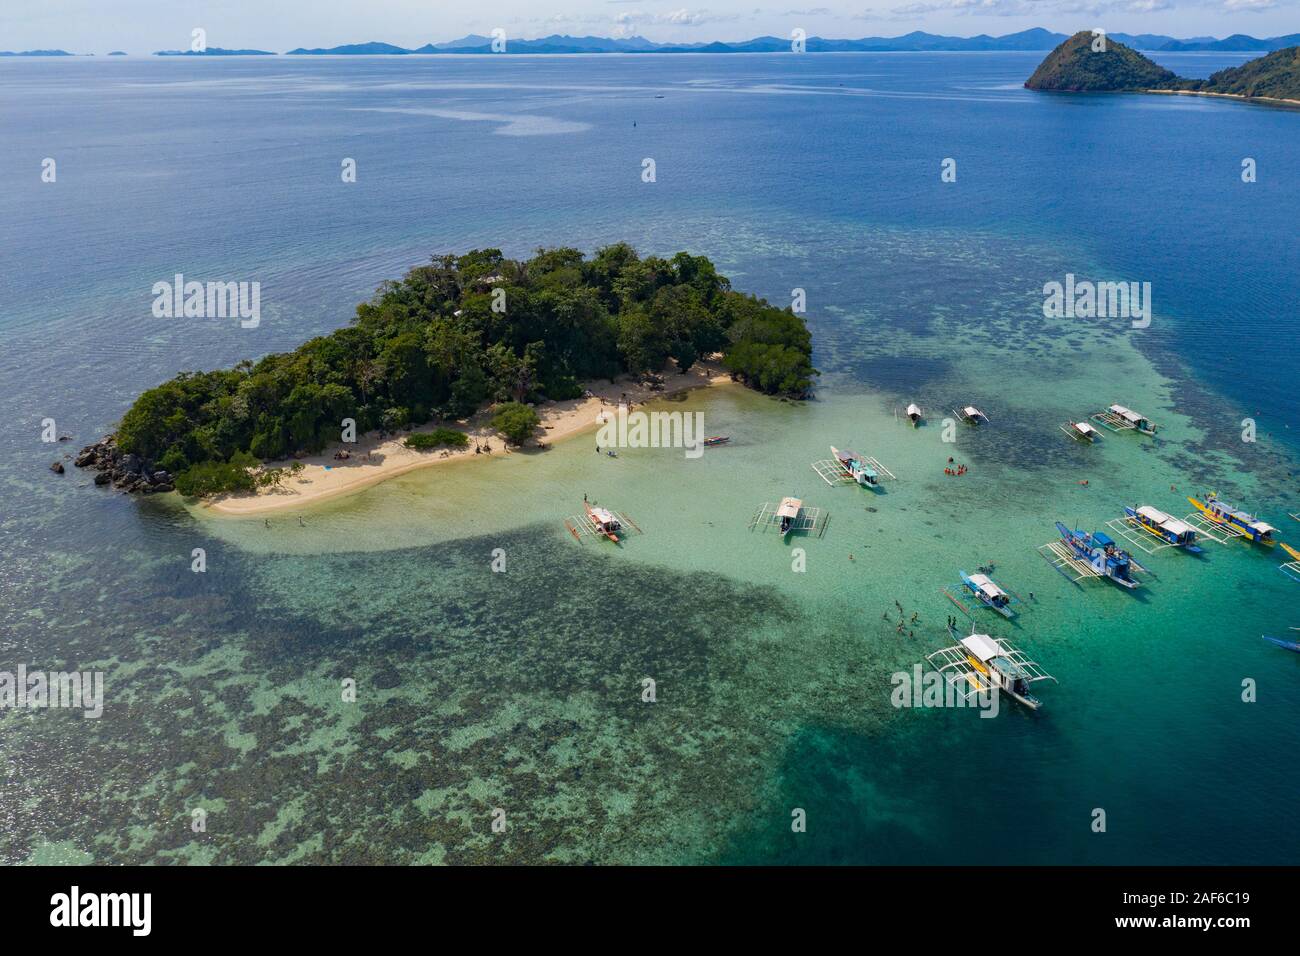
(973, 412)
(603, 516)
(1128, 414)
(789, 508)
(1084, 428)
(986, 585)
(1164, 521)
(913, 409)
(982, 646)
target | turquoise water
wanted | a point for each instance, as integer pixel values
(522, 690)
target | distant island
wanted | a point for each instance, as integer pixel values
(452, 337)
(1075, 67)
(1031, 41)
(214, 51)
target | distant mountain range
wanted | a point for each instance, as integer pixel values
(1026, 40)
(1030, 40)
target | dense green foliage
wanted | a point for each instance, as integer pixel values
(462, 332)
(217, 477)
(1276, 75)
(423, 441)
(1075, 67)
(516, 421)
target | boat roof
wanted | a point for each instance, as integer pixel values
(972, 411)
(1168, 522)
(985, 584)
(1262, 527)
(603, 516)
(913, 408)
(844, 454)
(789, 508)
(1083, 427)
(982, 646)
(1101, 538)
(1127, 413)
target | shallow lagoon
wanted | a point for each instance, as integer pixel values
(522, 690)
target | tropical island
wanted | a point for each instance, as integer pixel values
(464, 336)
(1076, 67)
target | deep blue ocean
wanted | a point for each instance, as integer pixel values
(820, 172)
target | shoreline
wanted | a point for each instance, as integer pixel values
(1228, 96)
(374, 459)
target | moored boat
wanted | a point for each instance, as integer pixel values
(971, 415)
(980, 663)
(1101, 554)
(985, 590)
(605, 521)
(1167, 528)
(857, 467)
(1225, 515)
(1118, 418)
(1081, 431)
(717, 440)
(1291, 568)
(1289, 645)
(914, 414)
(788, 512)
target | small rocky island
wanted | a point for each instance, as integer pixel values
(460, 334)
(1076, 67)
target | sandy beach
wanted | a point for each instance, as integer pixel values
(372, 459)
(1230, 96)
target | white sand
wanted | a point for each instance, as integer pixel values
(371, 459)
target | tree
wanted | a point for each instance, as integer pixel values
(517, 422)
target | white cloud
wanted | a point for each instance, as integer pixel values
(1249, 6)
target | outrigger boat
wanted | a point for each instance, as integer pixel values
(985, 590)
(1091, 554)
(1230, 519)
(971, 415)
(1289, 645)
(914, 413)
(1120, 419)
(789, 515)
(599, 522)
(1292, 568)
(717, 440)
(850, 466)
(983, 664)
(1081, 431)
(1168, 529)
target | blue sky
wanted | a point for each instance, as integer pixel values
(141, 26)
